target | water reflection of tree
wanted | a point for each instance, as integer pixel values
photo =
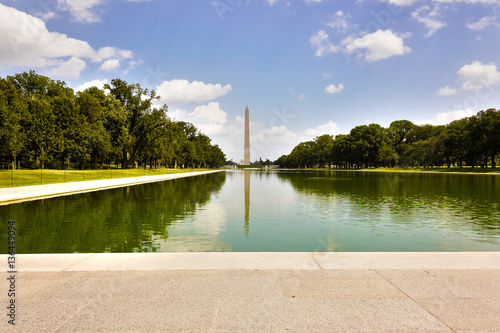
(459, 198)
(117, 220)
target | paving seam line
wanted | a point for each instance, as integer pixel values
(314, 259)
(433, 315)
(93, 254)
(73, 316)
(219, 301)
(367, 322)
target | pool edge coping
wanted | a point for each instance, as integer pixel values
(252, 261)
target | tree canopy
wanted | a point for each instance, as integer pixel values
(44, 122)
(472, 141)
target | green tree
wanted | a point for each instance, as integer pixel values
(366, 142)
(397, 133)
(96, 137)
(216, 157)
(489, 126)
(142, 118)
(40, 131)
(12, 111)
(44, 140)
(387, 155)
(282, 161)
(69, 125)
(303, 155)
(324, 145)
(455, 141)
(341, 152)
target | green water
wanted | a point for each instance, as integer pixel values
(269, 211)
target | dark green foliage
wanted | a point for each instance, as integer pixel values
(474, 141)
(42, 121)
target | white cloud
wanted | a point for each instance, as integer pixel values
(430, 20)
(332, 89)
(108, 52)
(46, 16)
(272, 2)
(210, 119)
(482, 23)
(69, 69)
(444, 118)
(320, 41)
(131, 65)
(401, 2)
(269, 141)
(275, 141)
(378, 45)
(110, 65)
(328, 128)
(339, 21)
(446, 91)
(299, 97)
(411, 2)
(25, 41)
(327, 75)
(485, 2)
(211, 113)
(94, 83)
(177, 92)
(82, 11)
(477, 75)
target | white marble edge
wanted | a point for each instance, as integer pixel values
(252, 261)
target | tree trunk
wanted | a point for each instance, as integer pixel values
(493, 164)
(125, 161)
(15, 159)
(94, 159)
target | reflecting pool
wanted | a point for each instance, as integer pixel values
(292, 210)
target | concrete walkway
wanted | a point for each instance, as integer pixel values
(255, 292)
(25, 193)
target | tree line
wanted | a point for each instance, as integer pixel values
(472, 141)
(45, 123)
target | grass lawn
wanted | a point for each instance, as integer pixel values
(9, 178)
(441, 169)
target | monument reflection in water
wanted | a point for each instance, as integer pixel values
(329, 210)
(246, 177)
(286, 210)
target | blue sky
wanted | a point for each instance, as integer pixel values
(304, 67)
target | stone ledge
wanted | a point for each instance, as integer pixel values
(253, 261)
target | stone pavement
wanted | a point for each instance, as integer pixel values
(255, 292)
(24, 193)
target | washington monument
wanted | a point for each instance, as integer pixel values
(246, 157)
